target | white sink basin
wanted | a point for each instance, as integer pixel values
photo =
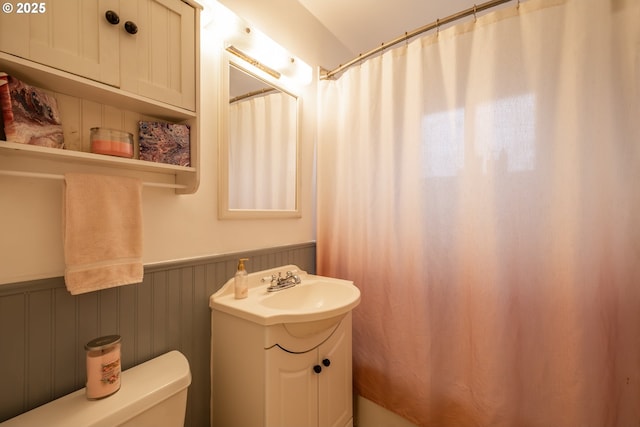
(315, 298)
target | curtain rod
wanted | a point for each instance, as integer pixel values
(61, 177)
(325, 74)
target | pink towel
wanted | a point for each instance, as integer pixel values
(102, 226)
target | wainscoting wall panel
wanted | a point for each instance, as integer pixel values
(43, 328)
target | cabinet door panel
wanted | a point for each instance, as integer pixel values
(292, 389)
(14, 34)
(71, 35)
(335, 387)
(159, 61)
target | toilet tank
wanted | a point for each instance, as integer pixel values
(152, 394)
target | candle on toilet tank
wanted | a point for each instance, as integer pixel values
(103, 366)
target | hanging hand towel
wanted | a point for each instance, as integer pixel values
(102, 226)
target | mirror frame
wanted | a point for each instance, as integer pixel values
(224, 211)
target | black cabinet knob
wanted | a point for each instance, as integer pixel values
(326, 362)
(112, 17)
(130, 27)
(317, 369)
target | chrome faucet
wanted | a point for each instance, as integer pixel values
(279, 283)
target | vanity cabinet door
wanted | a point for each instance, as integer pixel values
(335, 387)
(70, 35)
(292, 389)
(313, 388)
(158, 61)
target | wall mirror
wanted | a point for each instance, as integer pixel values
(259, 152)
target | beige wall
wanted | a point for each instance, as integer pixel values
(175, 226)
(291, 25)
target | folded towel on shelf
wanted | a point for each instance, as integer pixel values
(102, 232)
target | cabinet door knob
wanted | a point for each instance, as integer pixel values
(130, 27)
(326, 362)
(112, 17)
(317, 369)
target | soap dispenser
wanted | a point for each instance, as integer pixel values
(241, 281)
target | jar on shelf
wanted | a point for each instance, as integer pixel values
(112, 142)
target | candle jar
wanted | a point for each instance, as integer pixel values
(103, 366)
(112, 142)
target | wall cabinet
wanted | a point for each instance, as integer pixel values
(152, 56)
(148, 69)
(67, 36)
(265, 376)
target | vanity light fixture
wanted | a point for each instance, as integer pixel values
(254, 47)
(259, 65)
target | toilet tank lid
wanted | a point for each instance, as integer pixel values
(142, 387)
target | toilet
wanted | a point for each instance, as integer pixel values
(152, 394)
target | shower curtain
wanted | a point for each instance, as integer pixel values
(262, 157)
(480, 185)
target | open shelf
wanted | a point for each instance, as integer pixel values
(184, 176)
(187, 178)
(91, 158)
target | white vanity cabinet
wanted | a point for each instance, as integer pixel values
(102, 75)
(311, 388)
(281, 375)
(146, 47)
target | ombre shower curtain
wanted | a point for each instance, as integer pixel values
(481, 186)
(262, 157)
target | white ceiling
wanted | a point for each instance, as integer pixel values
(356, 23)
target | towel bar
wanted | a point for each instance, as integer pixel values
(61, 177)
